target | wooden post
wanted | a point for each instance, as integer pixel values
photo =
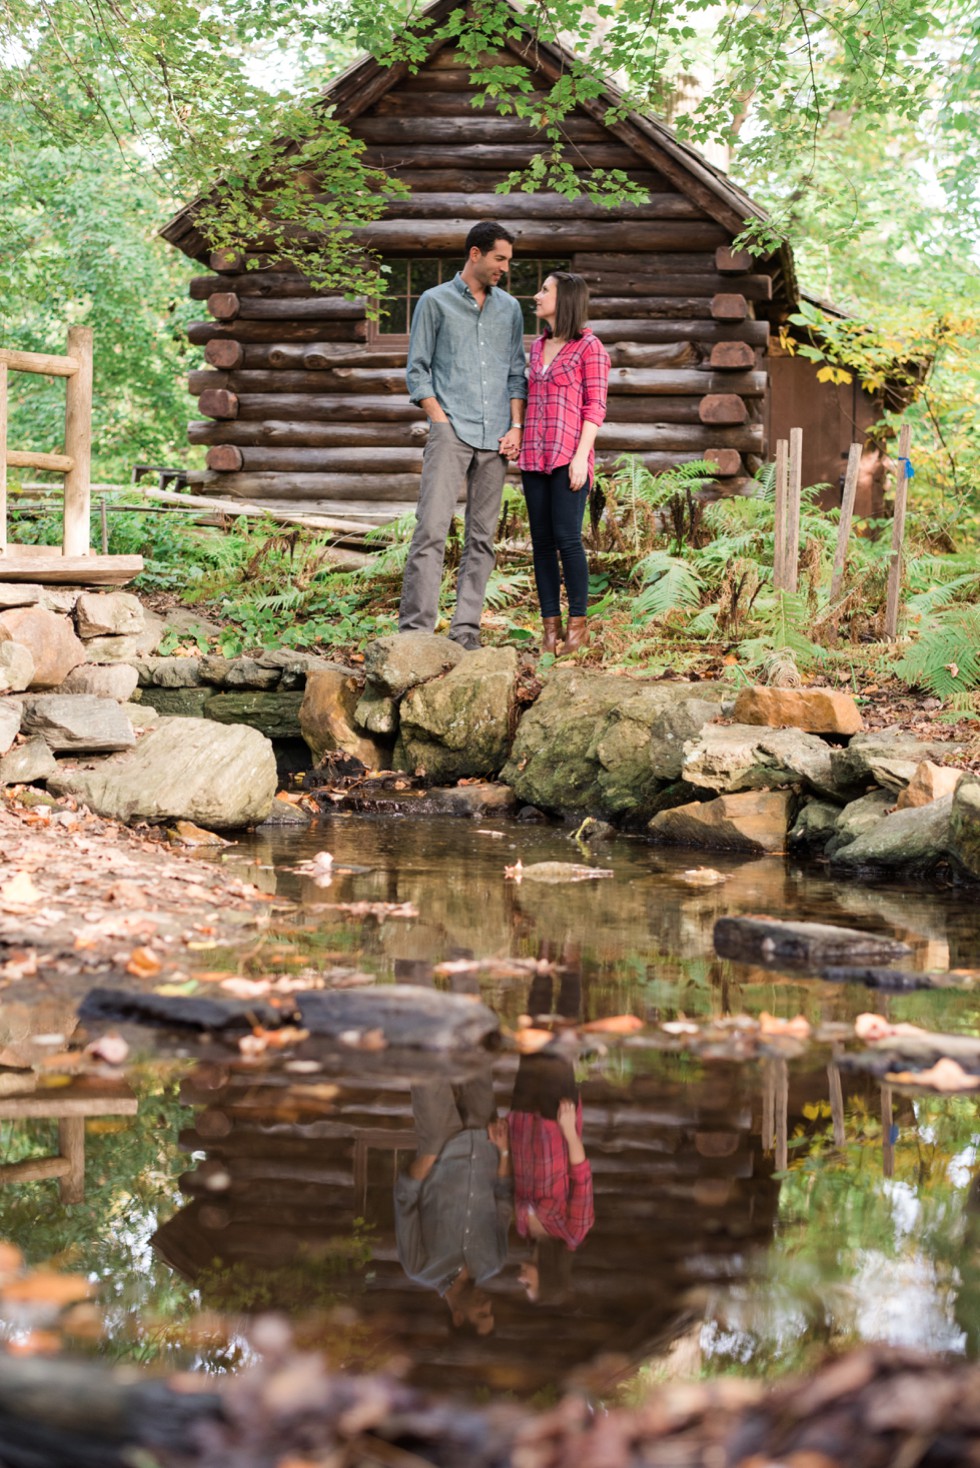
(105, 525)
(779, 551)
(846, 513)
(898, 535)
(78, 444)
(836, 1100)
(782, 1113)
(768, 1104)
(793, 508)
(887, 1122)
(3, 457)
(71, 1145)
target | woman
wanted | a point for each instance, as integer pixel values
(567, 379)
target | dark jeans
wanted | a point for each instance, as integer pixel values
(555, 514)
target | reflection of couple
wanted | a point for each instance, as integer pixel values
(452, 1206)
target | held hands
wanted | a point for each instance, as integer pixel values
(510, 444)
(567, 1112)
(578, 471)
(499, 1134)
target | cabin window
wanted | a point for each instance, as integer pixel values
(407, 279)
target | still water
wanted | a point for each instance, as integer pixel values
(748, 1207)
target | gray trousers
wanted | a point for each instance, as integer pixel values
(447, 464)
(441, 1110)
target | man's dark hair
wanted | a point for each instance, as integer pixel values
(572, 309)
(485, 235)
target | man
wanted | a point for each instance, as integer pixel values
(466, 372)
(453, 1205)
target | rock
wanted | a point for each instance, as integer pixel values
(744, 757)
(769, 940)
(11, 714)
(888, 758)
(815, 710)
(112, 613)
(326, 719)
(964, 825)
(479, 800)
(141, 715)
(104, 680)
(49, 639)
(639, 745)
(377, 712)
(276, 715)
(16, 667)
(78, 723)
(814, 826)
(154, 629)
(915, 840)
(295, 667)
(285, 813)
(754, 821)
(460, 724)
(60, 599)
(239, 673)
(395, 664)
(27, 763)
(124, 649)
(859, 817)
(927, 784)
(169, 672)
(218, 776)
(18, 594)
(177, 703)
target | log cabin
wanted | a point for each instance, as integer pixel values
(302, 398)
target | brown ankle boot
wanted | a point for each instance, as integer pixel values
(553, 630)
(578, 634)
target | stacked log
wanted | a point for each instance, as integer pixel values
(306, 399)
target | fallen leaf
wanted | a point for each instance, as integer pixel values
(945, 1075)
(143, 964)
(240, 988)
(872, 1027)
(455, 966)
(20, 891)
(111, 1048)
(771, 1024)
(679, 1027)
(615, 1024)
(702, 877)
(529, 1041)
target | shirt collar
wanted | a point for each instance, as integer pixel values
(464, 289)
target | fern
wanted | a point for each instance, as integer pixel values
(784, 616)
(504, 588)
(667, 583)
(939, 595)
(946, 658)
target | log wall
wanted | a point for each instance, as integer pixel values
(302, 399)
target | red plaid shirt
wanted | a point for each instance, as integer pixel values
(560, 398)
(560, 1194)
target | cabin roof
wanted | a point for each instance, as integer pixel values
(366, 80)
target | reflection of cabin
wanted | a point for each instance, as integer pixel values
(682, 1191)
(304, 398)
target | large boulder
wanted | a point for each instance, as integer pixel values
(914, 840)
(814, 826)
(753, 821)
(109, 613)
(104, 680)
(327, 722)
(817, 710)
(889, 759)
(859, 817)
(964, 825)
(460, 725)
(731, 757)
(78, 723)
(49, 638)
(639, 745)
(397, 663)
(112, 649)
(219, 776)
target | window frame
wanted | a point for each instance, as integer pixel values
(398, 340)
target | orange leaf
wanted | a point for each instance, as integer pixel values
(616, 1024)
(35, 1343)
(143, 963)
(529, 1041)
(45, 1287)
(770, 1024)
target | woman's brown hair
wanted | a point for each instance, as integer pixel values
(572, 308)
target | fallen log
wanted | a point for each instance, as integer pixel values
(812, 945)
(405, 1015)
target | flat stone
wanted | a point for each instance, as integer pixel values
(169, 672)
(219, 777)
(814, 826)
(735, 757)
(104, 680)
(815, 710)
(481, 800)
(377, 712)
(28, 763)
(141, 715)
(859, 817)
(123, 649)
(327, 722)
(178, 703)
(109, 613)
(239, 673)
(49, 638)
(11, 716)
(285, 813)
(915, 840)
(60, 599)
(964, 824)
(18, 594)
(929, 783)
(753, 821)
(460, 724)
(295, 667)
(397, 663)
(16, 667)
(78, 723)
(890, 758)
(276, 715)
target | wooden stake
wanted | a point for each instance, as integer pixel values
(3, 457)
(887, 1122)
(846, 514)
(898, 535)
(779, 551)
(78, 444)
(836, 1102)
(793, 508)
(105, 525)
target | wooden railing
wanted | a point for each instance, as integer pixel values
(74, 463)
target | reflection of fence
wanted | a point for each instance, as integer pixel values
(69, 1106)
(45, 563)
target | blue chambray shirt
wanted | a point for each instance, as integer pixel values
(472, 361)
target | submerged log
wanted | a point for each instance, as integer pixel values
(767, 940)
